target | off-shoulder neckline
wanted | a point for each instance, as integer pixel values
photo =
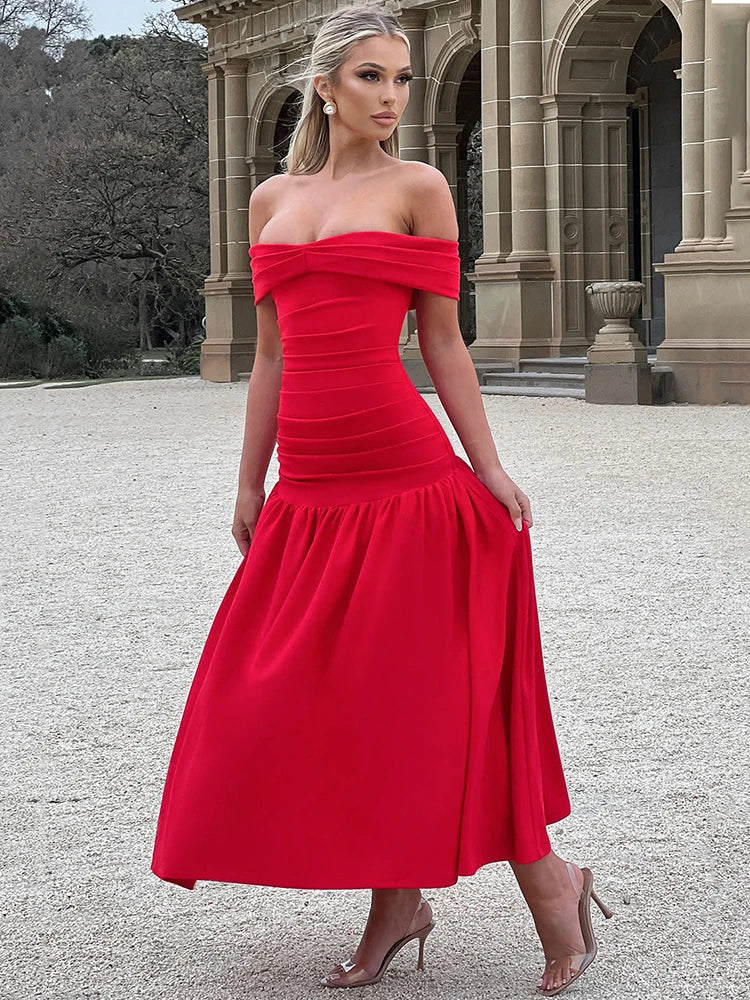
(357, 232)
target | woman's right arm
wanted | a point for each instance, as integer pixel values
(261, 413)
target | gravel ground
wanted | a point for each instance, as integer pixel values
(117, 504)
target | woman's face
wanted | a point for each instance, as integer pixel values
(374, 81)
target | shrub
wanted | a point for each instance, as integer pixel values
(66, 357)
(22, 349)
(189, 358)
(11, 305)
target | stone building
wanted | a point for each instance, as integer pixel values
(614, 145)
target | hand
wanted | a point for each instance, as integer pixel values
(502, 487)
(249, 505)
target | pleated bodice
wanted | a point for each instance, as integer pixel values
(351, 425)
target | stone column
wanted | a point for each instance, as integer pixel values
(495, 72)
(513, 277)
(693, 85)
(216, 170)
(260, 167)
(442, 151)
(734, 44)
(229, 348)
(718, 145)
(529, 222)
(737, 51)
(411, 131)
(237, 174)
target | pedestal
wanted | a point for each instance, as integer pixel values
(623, 383)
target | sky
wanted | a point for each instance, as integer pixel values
(114, 17)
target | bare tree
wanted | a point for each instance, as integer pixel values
(60, 20)
(165, 24)
(14, 15)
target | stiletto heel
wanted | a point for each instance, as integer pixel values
(422, 937)
(358, 975)
(602, 906)
(587, 930)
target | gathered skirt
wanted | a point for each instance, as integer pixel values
(370, 708)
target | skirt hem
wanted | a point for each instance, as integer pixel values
(423, 882)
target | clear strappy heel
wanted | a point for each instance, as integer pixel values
(579, 963)
(358, 975)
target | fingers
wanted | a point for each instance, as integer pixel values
(526, 509)
(521, 511)
(243, 536)
(516, 514)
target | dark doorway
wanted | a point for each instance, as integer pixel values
(469, 189)
(654, 164)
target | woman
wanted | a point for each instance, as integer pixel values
(370, 708)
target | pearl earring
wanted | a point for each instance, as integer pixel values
(329, 108)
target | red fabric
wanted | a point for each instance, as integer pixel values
(370, 708)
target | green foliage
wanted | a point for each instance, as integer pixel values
(22, 349)
(188, 359)
(11, 305)
(66, 357)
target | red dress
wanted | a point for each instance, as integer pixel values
(370, 708)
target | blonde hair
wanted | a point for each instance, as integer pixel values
(309, 144)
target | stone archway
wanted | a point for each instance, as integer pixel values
(270, 122)
(583, 24)
(587, 108)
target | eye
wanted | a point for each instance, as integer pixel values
(405, 76)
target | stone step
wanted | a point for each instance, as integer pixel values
(573, 366)
(534, 390)
(539, 379)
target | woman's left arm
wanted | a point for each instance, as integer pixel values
(446, 356)
(452, 372)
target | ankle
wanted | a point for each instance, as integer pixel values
(397, 895)
(547, 880)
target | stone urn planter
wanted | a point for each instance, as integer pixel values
(617, 341)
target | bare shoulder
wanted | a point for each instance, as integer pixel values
(270, 189)
(263, 201)
(430, 202)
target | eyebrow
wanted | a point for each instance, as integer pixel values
(378, 66)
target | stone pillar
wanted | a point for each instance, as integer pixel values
(718, 145)
(564, 144)
(229, 347)
(736, 48)
(693, 85)
(237, 175)
(442, 151)
(260, 167)
(495, 72)
(411, 131)
(513, 290)
(216, 170)
(529, 219)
